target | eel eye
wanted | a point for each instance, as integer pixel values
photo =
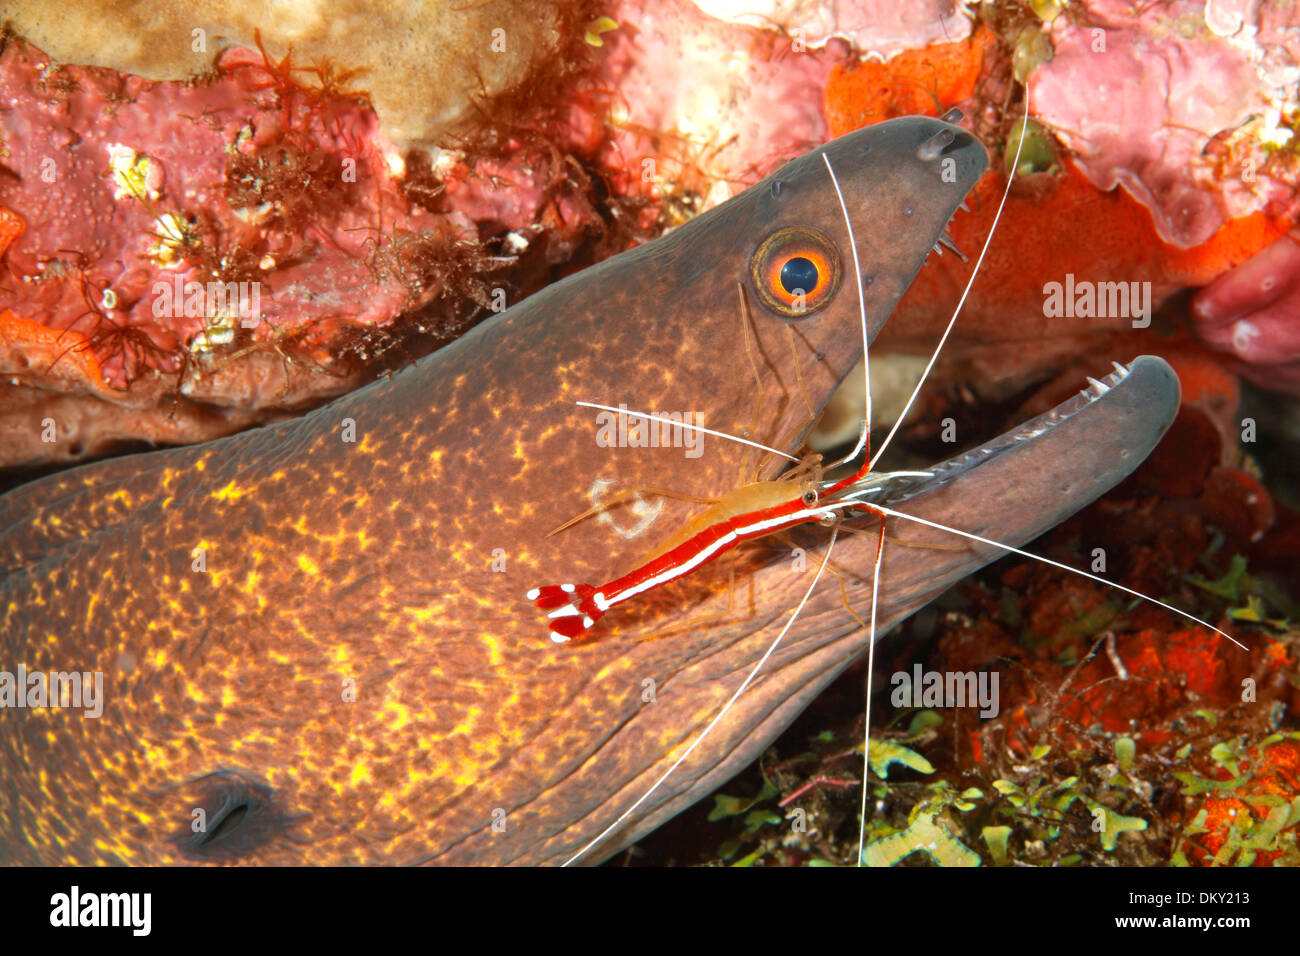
(796, 271)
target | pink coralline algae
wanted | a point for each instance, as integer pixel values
(224, 247)
(717, 94)
(132, 190)
(1185, 104)
(695, 104)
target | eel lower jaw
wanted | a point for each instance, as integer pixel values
(894, 489)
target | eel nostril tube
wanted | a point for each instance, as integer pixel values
(933, 147)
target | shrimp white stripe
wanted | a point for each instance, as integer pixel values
(706, 554)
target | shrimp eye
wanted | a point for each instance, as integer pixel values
(796, 271)
(810, 497)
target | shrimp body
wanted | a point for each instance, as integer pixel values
(751, 511)
(579, 606)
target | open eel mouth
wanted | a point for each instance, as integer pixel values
(1011, 489)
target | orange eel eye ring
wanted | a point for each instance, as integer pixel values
(796, 271)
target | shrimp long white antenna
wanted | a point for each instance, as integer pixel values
(722, 713)
(1057, 564)
(695, 428)
(1015, 166)
(864, 434)
(871, 668)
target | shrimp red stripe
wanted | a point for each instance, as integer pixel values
(579, 606)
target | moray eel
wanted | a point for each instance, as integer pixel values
(313, 636)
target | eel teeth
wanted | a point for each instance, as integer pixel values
(963, 207)
(1100, 387)
(935, 248)
(1087, 396)
(948, 241)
